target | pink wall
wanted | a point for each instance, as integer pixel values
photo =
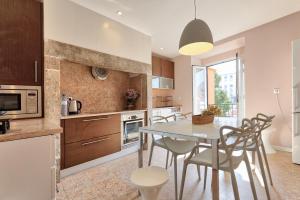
(268, 60)
(183, 82)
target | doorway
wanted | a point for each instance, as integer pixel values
(219, 84)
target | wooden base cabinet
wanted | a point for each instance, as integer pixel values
(89, 138)
(83, 151)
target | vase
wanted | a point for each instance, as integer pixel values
(130, 106)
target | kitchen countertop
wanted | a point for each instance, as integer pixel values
(29, 128)
(99, 114)
(176, 106)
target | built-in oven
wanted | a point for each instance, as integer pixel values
(20, 101)
(131, 122)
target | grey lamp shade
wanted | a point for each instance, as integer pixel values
(196, 38)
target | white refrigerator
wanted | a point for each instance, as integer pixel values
(296, 102)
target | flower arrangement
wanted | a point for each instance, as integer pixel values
(212, 110)
(207, 115)
(131, 96)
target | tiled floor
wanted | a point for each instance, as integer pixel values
(111, 181)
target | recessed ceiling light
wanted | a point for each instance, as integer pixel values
(119, 12)
(106, 25)
(161, 48)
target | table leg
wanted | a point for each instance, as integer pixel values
(140, 152)
(215, 170)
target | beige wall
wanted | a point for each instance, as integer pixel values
(183, 82)
(70, 23)
(267, 55)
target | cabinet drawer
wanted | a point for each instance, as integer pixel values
(80, 152)
(91, 127)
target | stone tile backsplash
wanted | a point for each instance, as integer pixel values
(67, 72)
(96, 96)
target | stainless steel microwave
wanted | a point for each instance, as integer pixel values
(18, 101)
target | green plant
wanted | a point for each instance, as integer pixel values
(221, 98)
(211, 110)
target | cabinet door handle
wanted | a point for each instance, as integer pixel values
(97, 119)
(96, 141)
(35, 71)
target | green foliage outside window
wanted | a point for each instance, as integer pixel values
(221, 98)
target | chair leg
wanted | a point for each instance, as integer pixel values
(205, 178)
(199, 174)
(151, 152)
(198, 167)
(172, 158)
(183, 180)
(167, 160)
(234, 186)
(250, 177)
(261, 165)
(175, 175)
(253, 159)
(267, 163)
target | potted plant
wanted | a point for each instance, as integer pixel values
(207, 115)
(131, 96)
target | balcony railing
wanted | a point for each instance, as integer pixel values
(228, 110)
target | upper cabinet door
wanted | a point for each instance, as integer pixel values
(167, 69)
(156, 66)
(21, 42)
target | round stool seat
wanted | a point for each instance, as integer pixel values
(149, 181)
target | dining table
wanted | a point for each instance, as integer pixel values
(186, 130)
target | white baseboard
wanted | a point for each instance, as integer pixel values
(280, 148)
(99, 161)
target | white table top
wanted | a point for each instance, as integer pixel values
(185, 129)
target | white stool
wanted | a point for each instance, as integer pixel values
(149, 181)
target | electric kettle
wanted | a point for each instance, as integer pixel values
(74, 106)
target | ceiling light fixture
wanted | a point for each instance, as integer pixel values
(119, 12)
(196, 37)
(161, 48)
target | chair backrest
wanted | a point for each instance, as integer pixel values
(158, 119)
(180, 116)
(232, 139)
(266, 119)
(262, 122)
(171, 118)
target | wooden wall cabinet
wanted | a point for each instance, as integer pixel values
(162, 67)
(21, 42)
(90, 138)
(156, 66)
(167, 69)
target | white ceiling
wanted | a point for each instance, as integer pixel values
(164, 20)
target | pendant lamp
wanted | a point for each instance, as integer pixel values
(196, 37)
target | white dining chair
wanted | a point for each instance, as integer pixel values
(266, 122)
(158, 142)
(230, 155)
(175, 146)
(181, 115)
(179, 147)
(262, 122)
